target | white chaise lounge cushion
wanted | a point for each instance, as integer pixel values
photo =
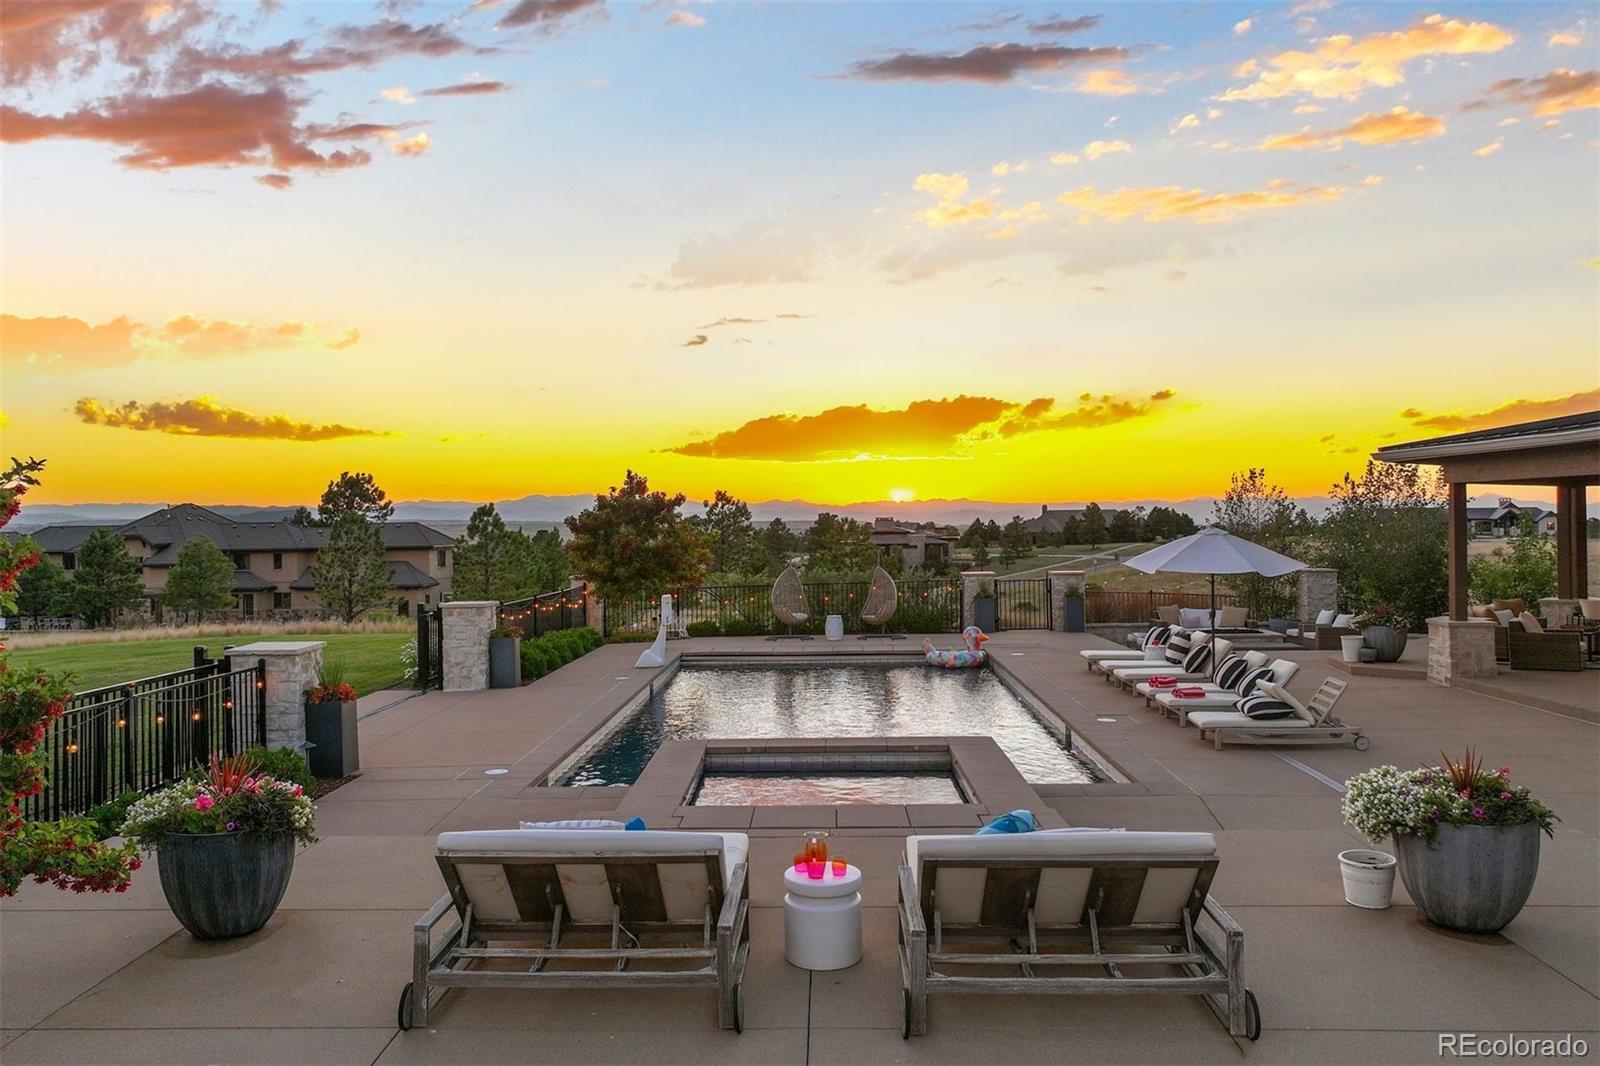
(1062, 890)
(1325, 618)
(583, 882)
(1194, 617)
(1233, 719)
(1342, 621)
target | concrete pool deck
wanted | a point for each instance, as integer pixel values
(94, 979)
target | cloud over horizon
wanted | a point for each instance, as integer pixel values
(990, 64)
(206, 417)
(922, 429)
(1167, 202)
(1554, 93)
(1395, 126)
(1519, 410)
(66, 344)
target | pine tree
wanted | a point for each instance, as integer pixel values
(356, 493)
(201, 580)
(106, 581)
(350, 572)
(483, 556)
(44, 590)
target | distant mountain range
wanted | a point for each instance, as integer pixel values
(545, 510)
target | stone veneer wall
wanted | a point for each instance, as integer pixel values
(293, 666)
(970, 580)
(1060, 581)
(1316, 590)
(1459, 649)
(466, 643)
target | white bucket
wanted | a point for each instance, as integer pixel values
(1368, 878)
(1350, 647)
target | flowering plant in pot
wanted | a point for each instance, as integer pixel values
(1467, 839)
(1383, 629)
(225, 842)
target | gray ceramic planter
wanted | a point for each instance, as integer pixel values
(1388, 642)
(1473, 878)
(985, 614)
(222, 885)
(505, 662)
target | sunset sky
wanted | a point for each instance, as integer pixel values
(822, 251)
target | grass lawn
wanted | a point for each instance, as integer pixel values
(371, 661)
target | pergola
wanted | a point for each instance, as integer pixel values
(1562, 452)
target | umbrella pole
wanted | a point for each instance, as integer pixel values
(1213, 603)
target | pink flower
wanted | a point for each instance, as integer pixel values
(1504, 771)
(1505, 795)
(204, 802)
(1466, 793)
(1477, 812)
(298, 791)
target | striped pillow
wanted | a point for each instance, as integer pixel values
(1198, 661)
(1264, 707)
(1246, 684)
(1232, 669)
(1177, 646)
(1156, 636)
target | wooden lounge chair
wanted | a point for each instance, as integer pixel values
(1177, 645)
(1310, 723)
(611, 889)
(1093, 909)
(789, 603)
(1129, 676)
(882, 599)
(1130, 655)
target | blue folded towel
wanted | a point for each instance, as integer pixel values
(1018, 821)
(635, 823)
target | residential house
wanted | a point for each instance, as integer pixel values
(1502, 519)
(271, 560)
(1051, 521)
(919, 545)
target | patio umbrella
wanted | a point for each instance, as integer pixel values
(1214, 551)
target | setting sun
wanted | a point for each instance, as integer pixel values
(902, 495)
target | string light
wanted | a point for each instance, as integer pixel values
(195, 716)
(72, 749)
(161, 719)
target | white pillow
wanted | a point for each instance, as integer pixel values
(1194, 617)
(573, 823)
(1343, 621)
(1325, 617)
(1504, 616)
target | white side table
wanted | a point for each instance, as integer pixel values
(822, 919)
(833, 627)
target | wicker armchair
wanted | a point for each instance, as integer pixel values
(1559, 649)
(882, 599)
(789, 602)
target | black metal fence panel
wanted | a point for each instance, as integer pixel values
(144, 734)
(430, 649)
(550, 611)
(1116, 605)
(1023, 603)
(922, 606)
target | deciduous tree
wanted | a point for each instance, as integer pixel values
(634, 542)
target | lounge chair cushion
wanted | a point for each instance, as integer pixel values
(1062, 892)
(1481, 610)
(1198, 661)
(1246, 685)
(1235, 720)
(1232, 670)
(1178, 646)
(1194, 617)
(1233, 617)
(574, 823)
(1325, 618)
(1168, 613)
(1276, 691)
(1503, 617)
(1514, 605)
(583, 882)
(1262, 707)
(1530, 624)
(1342, 621)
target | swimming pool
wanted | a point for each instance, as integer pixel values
(832, 700)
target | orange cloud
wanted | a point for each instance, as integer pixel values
(205, 417)
(1106, 83)
(1342, 66)
(951, 210)
(1394, 126)
(1163, 203)
(67, 344)
(1550, 94)
(1507, 413)
(923, 428)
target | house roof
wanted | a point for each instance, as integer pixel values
(245, 581)
(1052, 520)
(168, 529)
(1583, 427)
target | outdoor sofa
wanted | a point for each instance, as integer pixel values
(1323, 632)
(616, 892)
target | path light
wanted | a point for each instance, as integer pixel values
(498, 771)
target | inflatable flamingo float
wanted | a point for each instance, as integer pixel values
(971, 655)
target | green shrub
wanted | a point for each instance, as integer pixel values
(704, 629)
(108, 817)
(630, 638)
(285, 764)
(552, 651)
(741, 627)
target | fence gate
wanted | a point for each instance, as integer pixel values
(430, 649)
(1023, 603)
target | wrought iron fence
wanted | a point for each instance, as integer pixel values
(1022, 603)
(144, 734)
(1116, 605)
(430, 649)
(545, 613)
(930, 605)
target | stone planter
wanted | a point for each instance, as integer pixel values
(985, 613)
(505, 662)
(222, 885)
(331, 733)
(1388, 642)
(1473, 878)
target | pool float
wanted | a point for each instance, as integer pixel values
(972, 655)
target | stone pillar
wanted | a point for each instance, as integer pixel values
(1316, 590)
(594, 608)
(293, 666)
(1459, 649)
(1556, 610)
(1060, 582)
(970, 580)
(466, 643)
